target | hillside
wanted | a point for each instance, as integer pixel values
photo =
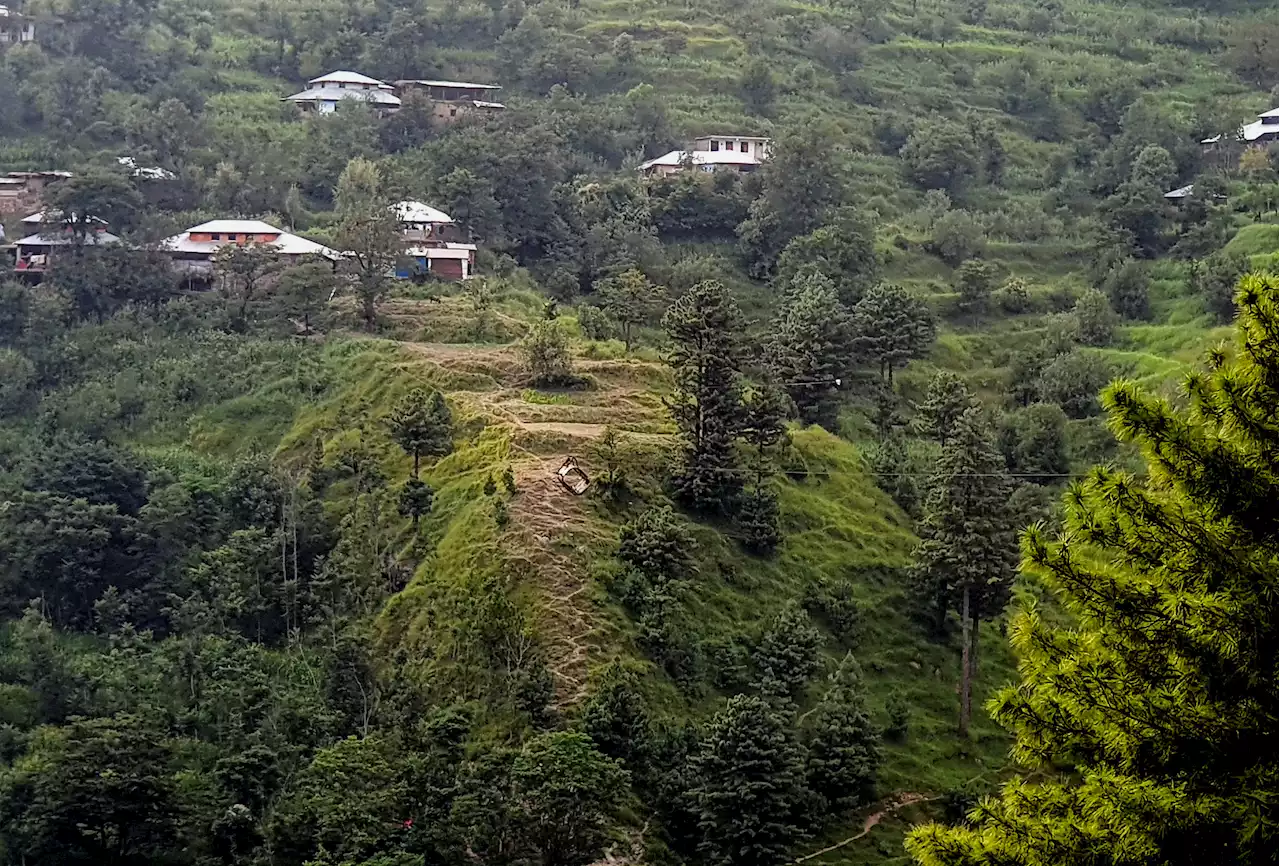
(234, 630)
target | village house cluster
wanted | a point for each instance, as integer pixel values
(450, 100)
(434, 244)
(1227, 148)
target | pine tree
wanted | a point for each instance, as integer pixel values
(616, 719)
(968, 547)
(975, 280)
(946, 401)
(1158, 696)
(788, 652)
(843, 744)
(422, 425)
(416, 499)
(891, 326)
(657, 544)
(763, 429)
(707, 403)
(810, 346)
(749, 775)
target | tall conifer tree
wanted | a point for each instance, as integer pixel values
(707, 404)
(1158, 697)
(810, 346)
(844, 746)
(968, 549)
(750, 774)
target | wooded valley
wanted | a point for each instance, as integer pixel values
(576, 432)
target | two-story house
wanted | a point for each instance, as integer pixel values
(453, 100)
(433, 243)
(15, 28)
(712, 152)
(324, 93)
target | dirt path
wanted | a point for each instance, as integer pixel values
(883, 810)
(547, 524)
(568, 428)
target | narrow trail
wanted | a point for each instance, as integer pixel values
(548, 529)
(545, 518)
(886, 808)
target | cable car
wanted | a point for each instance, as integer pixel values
(572, 478)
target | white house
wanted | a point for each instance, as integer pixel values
(751, 145)
(324, 93)
(712, 152)
(1266, 128)
(142, 172)
(192, 251)
(15, 27)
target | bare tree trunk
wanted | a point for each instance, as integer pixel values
(965, 672)
(973, 648)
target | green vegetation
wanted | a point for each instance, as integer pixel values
(292, 570)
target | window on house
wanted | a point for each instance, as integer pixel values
(746, 147)
(715, 145)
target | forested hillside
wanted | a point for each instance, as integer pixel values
(288, 573)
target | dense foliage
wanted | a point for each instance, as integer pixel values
(286, 572)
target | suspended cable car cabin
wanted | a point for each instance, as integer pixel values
(572, 478)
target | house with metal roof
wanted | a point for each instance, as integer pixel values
(36, 252)
(23, 191)
(192, 251)
(1261, 131)
(712, 152)
(453, 100)
(325, 92)
(435, 244)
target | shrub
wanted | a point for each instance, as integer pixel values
(1216, 279)
(1012, 297)
(545, 353)
(596, 324)
(1034, 442)
(1096, 320)
(957, 236)
(1073, 381)
(1129, 289)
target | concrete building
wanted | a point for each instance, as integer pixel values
(435, 245)
(324, 93)
(192, 251)
(712, 153)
